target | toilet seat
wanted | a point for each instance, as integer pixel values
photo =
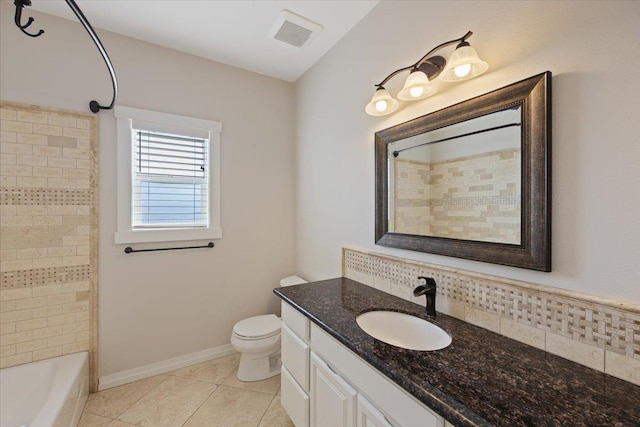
(258, 327)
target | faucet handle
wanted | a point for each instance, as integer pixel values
(428, 281)
(428, 287)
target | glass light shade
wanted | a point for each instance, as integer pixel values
(416, 87)
(382, 103)
(463, 64)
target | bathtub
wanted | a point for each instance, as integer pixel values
(48, 393)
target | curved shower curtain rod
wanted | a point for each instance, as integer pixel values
(94, 106)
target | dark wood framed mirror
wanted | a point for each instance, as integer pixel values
(472, 180)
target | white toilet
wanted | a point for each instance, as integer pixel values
(257, 339)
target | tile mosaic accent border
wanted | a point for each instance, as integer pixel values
(44, 197)
(48, 234)
(585, 329)
(44, 276)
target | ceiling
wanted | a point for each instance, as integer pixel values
(231, 32)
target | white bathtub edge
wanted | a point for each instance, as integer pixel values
(146, 371)
(68, 392)
(82, 400)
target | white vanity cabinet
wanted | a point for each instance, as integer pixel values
(324, 384)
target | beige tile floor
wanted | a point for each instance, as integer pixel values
(203, 395)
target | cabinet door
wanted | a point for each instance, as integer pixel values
(369, 416)
(333, 400)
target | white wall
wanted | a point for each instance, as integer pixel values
(156, 306)
(590, 47)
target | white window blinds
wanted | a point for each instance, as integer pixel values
(170, 180)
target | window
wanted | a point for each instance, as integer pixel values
(168, 177)
(170, 180)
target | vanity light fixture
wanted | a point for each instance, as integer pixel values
(463, 64)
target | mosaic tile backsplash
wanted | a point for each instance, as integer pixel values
(595, 332)
(48, 234)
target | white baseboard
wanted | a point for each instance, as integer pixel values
(135, 374)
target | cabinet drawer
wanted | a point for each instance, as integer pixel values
(297, 322)
(294, 400)
(402, 408)
(295, 356)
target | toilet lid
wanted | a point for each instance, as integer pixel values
(258, 326)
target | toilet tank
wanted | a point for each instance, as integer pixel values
(292, 280)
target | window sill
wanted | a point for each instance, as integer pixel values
(166, 235)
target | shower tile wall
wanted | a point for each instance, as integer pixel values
(48, 234)
(473, 196)
(412, 213)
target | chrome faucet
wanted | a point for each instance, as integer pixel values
(429, 291)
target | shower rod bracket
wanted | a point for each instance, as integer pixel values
(94, 106)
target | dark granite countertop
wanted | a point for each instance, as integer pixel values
(482, 378)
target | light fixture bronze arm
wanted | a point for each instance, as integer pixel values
(425, 58)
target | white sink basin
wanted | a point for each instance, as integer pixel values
(403, 330)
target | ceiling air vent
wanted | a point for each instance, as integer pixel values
(294, 29)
